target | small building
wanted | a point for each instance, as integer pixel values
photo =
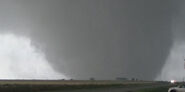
(92, 79)
(122, 79)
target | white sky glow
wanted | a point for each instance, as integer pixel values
(19, 59)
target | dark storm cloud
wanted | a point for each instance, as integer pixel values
(96, 38)
(179, 21)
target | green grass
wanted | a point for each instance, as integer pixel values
(39, 88)
(45, 85)
(160, 89)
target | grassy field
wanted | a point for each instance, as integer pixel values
(160, 89)
(46, 85)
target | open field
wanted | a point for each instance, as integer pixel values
(70, 85)
(159, 89)
(72, 82)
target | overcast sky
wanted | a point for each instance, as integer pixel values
(104, 39)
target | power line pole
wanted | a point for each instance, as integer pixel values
(184, 68)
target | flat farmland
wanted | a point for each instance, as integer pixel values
(72, 82)
(72, 85)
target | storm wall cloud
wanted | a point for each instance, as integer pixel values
(103, 39)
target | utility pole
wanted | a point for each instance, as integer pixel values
(184, 68)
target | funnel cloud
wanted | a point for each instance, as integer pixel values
(103, 39)
(174, 67)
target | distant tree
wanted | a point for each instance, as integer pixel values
(92, 78)
(133, 79)
(63, 79)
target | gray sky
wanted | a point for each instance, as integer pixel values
(104, 39)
